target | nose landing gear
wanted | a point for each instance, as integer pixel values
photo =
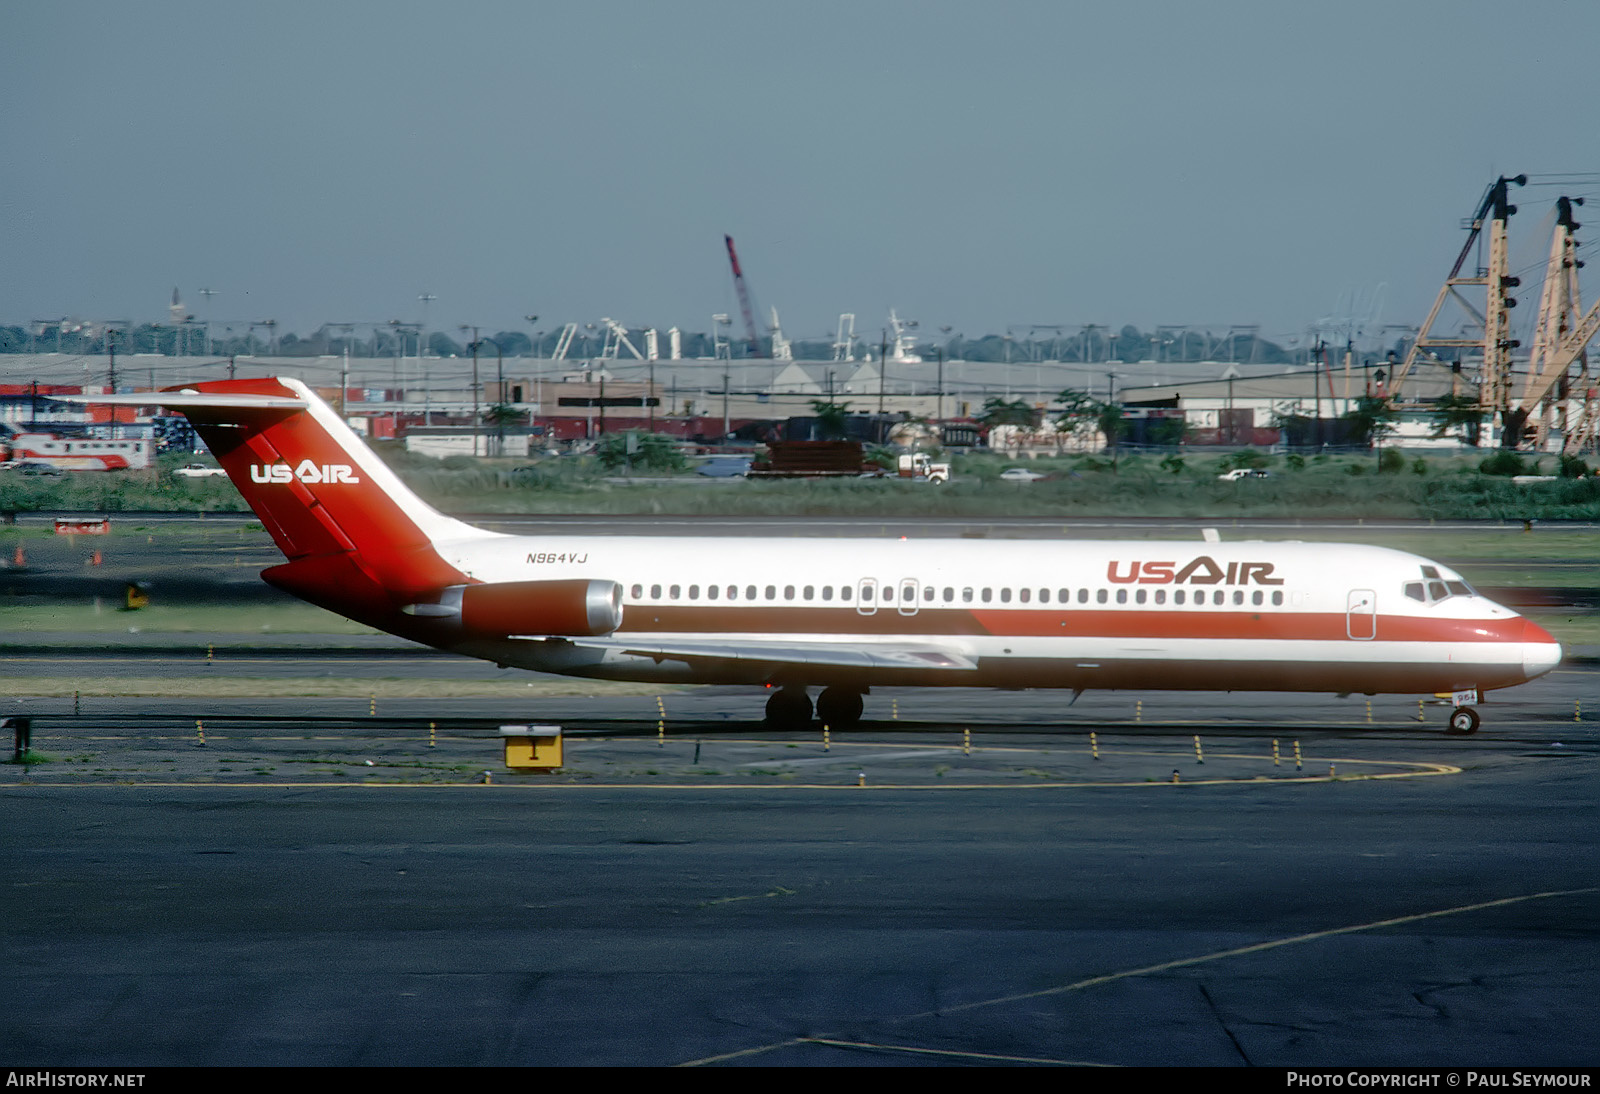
(1463, 721)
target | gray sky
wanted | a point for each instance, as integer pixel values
(971, 165)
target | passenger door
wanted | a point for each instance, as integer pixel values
(1361, 614)
(867, 596)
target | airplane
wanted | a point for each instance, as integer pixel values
(847, 615)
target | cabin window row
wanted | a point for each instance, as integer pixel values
(888, 594)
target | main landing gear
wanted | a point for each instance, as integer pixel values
(839, 708)
(790, 708)
(1463, 721)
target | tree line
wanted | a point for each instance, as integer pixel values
(1087, 345)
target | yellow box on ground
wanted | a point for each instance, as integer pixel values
(532, 748)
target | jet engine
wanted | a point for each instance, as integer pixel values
(571, 608)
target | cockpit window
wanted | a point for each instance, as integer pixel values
(1436, 588)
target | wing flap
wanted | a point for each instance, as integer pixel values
(859, 655)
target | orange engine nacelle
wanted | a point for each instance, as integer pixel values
(577, 607)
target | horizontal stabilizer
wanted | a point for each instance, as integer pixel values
(861, 655)
(192, 400)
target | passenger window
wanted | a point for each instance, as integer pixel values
(733, 592)
(1277, 599)
(655, 592)
(711, 592)
(1238, 597)
(987, 595)
(827, 592)
(966, 596)
(1256, 598)
(638, 591)
(1005, 596)
(675, 591)
(1024, 595)
(1083, 596)
(1099, 596)
(949, 594)
(1138, 597)
(844, 592)
(772, 592)
(888, 592)
(927, 595)
(1122, 596)
(694, 592)
(1161, 596)
(1178, 596)
(808, 591)
(788, 592)
(749, 592)
(1216, 597)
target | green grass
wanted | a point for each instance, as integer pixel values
(1450, 487)
(321, 687)
(35, 617)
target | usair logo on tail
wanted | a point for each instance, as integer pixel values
(307, 472)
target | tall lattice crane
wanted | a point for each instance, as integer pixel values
(1495, 391)
(744, 299)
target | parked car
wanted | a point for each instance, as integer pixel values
(1019, 474)
(31, 467)
(198, 471)
(1242, 473)
(725, 467)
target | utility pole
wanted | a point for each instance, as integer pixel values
(474, 331)
(111, 353)
(725, 425)
(883, 378)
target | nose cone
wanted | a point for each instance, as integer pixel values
(1540, 650)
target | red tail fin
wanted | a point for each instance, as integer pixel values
(327, 500)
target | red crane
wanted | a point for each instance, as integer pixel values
(744, 299)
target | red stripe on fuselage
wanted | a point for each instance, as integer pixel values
(1088, 623)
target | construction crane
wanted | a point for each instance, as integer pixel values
(1495, 392)
(1560, 337)
(744, 299)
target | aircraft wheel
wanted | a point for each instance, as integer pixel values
(1463, 721)
(789, 708)
(839, 708)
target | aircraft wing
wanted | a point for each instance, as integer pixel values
(861, 655)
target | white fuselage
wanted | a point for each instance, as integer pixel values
(1075, 614)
